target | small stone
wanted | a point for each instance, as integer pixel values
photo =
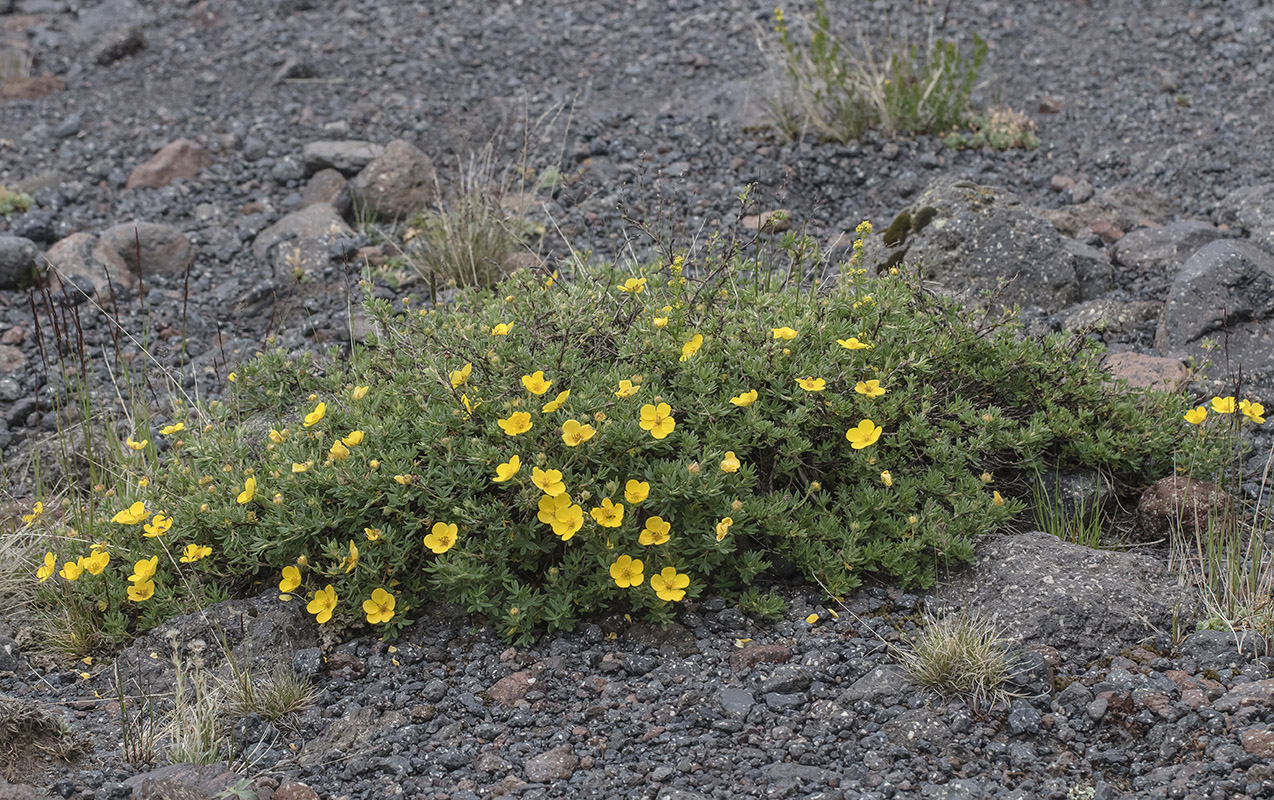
(512, 688)
(1061, 183)
(182, 158)
(1108, 232)
(295, 791)
(1147, 372)
(775, 221)
(1050, 105)
(750, 656)
(557, 764)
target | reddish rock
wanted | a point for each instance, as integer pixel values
(163, 249)
(14, 335)
(1146, 372)
(182, 158)
(86, 267)
(1050, 105)
(1107, 231)
(11, 359)
(512, 688)
(1194, 698)
(557, 764)
(750, 656)
(1184, 507)
(29, 88)
(295, 791)
(1061, 183)
(775, 221)
(399, 182)
(1258, 743)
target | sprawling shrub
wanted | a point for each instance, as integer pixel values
(618, 442)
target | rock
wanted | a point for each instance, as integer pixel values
(298, 243)
(164, 249)
(182, 782)
(18, 88)
(1185, 507)
(1225, 293)
(1258, 742)
(21, 791)
(969, 238)
(116, 44)
(775, 221)
(83, 267)
(1106, 315)
(1124, 207)
(915, 728)
(295, 791)
(348, 157)
(182, 158)
(735, 702)
(1163, 247)
(1220, 650)
(11, 360)
(881, 685)
(1093, 270)
(10, 655)
(1106, 231)
(1251, 210)
(1039, 589)
(1081, 192)
(327, 186)
(1147, 372)
(754, 654)
(787, 679)
(557, 764)
(17, 261)
(397, 183)
(512, 688)
(1049, 105)
(1075, 493)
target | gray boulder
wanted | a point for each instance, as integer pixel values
(971, 238)
(85, 268)
(397, 183)
(164, 249)
(297, 244)
(17, 261)
(347, 156)
(1224, 293)
(1040, 589)
(1251, 210)
(1163, 248)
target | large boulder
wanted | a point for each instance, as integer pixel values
(298, 244)
(1251, 210)
(971, 238)
(397, 183)
(346, 156)
(164, 249)
(1039, 589)
(84, 267)
(1224, 294)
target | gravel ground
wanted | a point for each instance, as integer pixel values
(651, 105)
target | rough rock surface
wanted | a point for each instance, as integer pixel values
(398, 182)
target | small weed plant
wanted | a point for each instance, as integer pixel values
(959, 656)
(1001, 128)
(13, 202)
(620, 441)
(1081, 524)
(839, 90)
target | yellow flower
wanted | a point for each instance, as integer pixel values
(574, 434)
(72, 570)
(232, 377)
(636, 491)
(50, 566)
(372, 534)
(886, 478)
(136, 445)
(195, 552)
(871, 389)
(517, 422)
(350, 562)
(535, 383)
(567, 521)
(144, 569)
(96, 561)
(169, 430)
(660, 322)
(380, 608)
(158, 525)
(785, 333)
(249, 491)
(811, 619)
(626, 571)
(609, 514)
(669, 585)
(864, 435)
(469, 407)
(997, 499)
(657, 419)
(690, 348)
(987, 477)
(338, 451)
(555, 403)
(354, 439)
(655, 532)
(301, 467)
(403, 480)
(1253, 411)
(548, 481)
(132, 515)
(852, 343)
(276, 437)
(723, 527)
(323, 604)
(508, 469)
(502, 329)
(36, 511)
(142, 590)
(627, 389)
(634, 285)
(744, 400)
(291, 580)
(458, 377)
(730, 463)
(1196, 415)
(1223, 405)
(312, 418)
(812, 384)
(442, 537)
(360, 392)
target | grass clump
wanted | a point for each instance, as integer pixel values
(958, 655)
(839, 90)
(12, 201)
(620, 441)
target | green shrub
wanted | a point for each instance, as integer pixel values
(840, 91)
(12, 201)
(889, 430)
